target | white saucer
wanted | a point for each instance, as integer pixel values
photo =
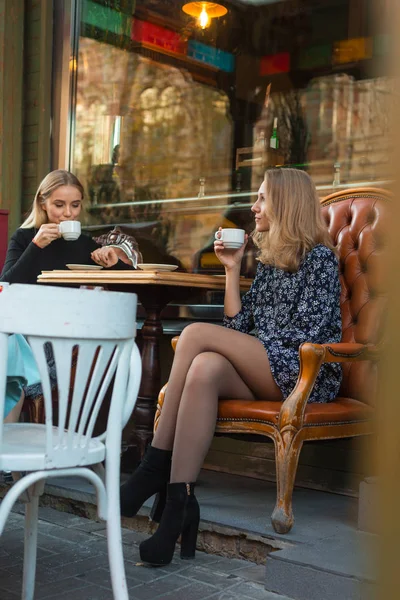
(154, 267)
(84, 267)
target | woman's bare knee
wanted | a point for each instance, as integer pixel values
(191, 331)
(14, 414)
(206, 368)
(197, 333)
(213, 372)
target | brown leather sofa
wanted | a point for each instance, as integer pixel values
(356, 220)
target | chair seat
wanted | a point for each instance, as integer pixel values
(24, 449)
(342, 410)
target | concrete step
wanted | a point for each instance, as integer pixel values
(331, 568)
(323, 557)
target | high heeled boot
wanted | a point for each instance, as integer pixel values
(151, 477)
(181, 517)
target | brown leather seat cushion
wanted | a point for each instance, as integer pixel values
(342, 410)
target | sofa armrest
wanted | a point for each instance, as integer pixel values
(350, 352)
(312, 356)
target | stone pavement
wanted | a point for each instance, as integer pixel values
(73, 564)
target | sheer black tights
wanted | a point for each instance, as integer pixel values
(211, 362)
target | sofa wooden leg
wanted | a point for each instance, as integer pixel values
(287, 452)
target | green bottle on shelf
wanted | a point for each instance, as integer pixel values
(274, 139)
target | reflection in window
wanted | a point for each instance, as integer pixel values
(174, 125)
(149, 105)
(146, 131)
(335, 120)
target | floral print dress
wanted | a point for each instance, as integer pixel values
(287, 309)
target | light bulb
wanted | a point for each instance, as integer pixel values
(203, 18)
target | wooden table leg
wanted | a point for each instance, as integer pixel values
(141, 423)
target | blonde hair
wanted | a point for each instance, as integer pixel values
(50, 183)
(296, 222)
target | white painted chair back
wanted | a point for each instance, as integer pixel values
(84, 320)
(101, 327)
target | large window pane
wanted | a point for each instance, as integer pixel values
(175, 124)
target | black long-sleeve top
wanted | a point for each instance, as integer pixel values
(25, 261)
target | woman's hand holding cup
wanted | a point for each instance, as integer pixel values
(105, 256)
(70, 230)
(46, 234)
(229, 247)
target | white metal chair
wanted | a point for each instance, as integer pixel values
(102, 326)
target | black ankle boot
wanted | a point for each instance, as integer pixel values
(181, 517)
(151, 477)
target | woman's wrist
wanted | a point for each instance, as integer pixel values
(34, 241)
(233, 270)
(123, 252)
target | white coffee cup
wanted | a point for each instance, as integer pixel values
(70, 230)
(232, 238)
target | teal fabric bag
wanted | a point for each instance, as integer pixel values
(21, 370)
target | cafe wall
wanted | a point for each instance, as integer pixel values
(37, 80)
(25, 93)
(11, 60)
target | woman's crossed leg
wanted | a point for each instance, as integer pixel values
(211, 362)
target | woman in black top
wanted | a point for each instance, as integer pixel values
(38, 246)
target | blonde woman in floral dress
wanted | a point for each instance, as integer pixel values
(294, 298)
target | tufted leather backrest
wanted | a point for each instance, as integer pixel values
(356, 220)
